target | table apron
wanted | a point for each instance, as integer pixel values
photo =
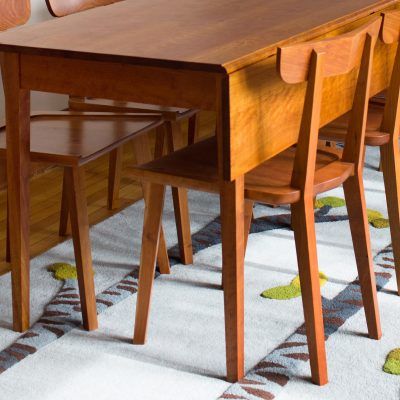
(265, 112)
(116, 81)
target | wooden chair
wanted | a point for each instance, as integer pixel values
(293, 177)
(70, 140)
(383, 127)
(171, 130)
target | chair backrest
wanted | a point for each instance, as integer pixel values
(311, 62)
(61, 8)
(14, 13)
(390, 34)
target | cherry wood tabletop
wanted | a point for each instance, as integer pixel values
(223, 35)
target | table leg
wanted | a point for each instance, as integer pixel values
(18, 145)
(232, 220)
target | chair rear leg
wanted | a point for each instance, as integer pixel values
(64, 213)
(356, 208)
(82, 248)
(114, 177)
(304, 233)
(150, 240)
(390, 163)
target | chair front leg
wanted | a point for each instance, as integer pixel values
(303, 225)
(150, 241)
(356, 208)
(80, 235)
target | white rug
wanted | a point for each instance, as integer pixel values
(184, 357)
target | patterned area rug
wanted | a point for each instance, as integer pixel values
(184, 356)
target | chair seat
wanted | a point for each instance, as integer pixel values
(196, 167)
(66, 138)
(337, 130)
(103, 105)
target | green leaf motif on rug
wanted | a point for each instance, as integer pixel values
(330, 201)
(63, 271)
(376, 219)
(290, 291)
(392, 364)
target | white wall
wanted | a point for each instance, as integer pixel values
(40, 101)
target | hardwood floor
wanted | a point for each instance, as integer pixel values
(46, 198)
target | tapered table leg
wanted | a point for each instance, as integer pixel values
(18, 145)
(232, 220)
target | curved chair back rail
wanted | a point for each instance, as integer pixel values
(14, 13)
(61, 8)
(314, 61)
(390, 34)
(341, 54)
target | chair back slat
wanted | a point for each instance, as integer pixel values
(14, 13)
(61, 8)
(311, 62)
(342, 54)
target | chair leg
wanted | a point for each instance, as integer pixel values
(82, 248)
(248, 218)
(8, 249)
(390, 162)
(180, 199)
(304, 233)
(150, 240)
(64, 213)
(141, 149)
(193, 128)
(114, 177)
(182, 221)
(159, 145)
(356, 208)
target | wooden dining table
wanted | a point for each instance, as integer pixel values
(208, 55)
